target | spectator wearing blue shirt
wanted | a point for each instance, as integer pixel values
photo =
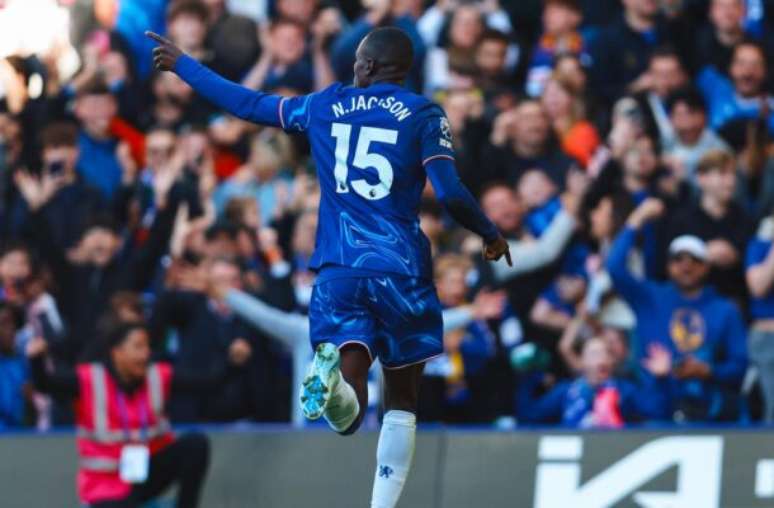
(714, 43)
(14, 374)
(703, 333)
(132, 19)
(98, 163)
(732, 102)
(596, 399)
(759, 264)
(634, 173)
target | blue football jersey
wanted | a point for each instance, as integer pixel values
(370, 146)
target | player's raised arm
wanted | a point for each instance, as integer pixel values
(239, 101)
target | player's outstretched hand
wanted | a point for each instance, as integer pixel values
(497, 249)
(165, 55)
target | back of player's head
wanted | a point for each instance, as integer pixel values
(390, 48)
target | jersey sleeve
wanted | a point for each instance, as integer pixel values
(296, 112)
(435, 135)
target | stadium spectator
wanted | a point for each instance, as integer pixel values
(718, 221)
(667, 75)
(187, 22)
(98, 163)
(378, 13)
(453, 381)
(596, 399)
(208, 334)
(567, 113)
(561, 20)
(702, 333)
(15, 393)
(740, 97)
(263, 177)
(759, 264)
(73, 201)
(692, 139)
(493, 73)
(233, 40)
(521, 139)
(621, 51)
(15, 270)
(96, 258)
(715, 42)
(284, 61)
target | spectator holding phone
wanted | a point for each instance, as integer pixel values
(73, 200)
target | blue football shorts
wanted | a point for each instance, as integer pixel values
(397, 318)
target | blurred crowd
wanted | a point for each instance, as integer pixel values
(623, 147)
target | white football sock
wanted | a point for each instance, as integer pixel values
(343, 408)
(393, 457)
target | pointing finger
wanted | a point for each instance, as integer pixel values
(508, 257)
(156, 37)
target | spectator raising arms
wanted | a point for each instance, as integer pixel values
(703, 333)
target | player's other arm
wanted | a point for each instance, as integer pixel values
(239, 101)
(438, 160)
(463, 208)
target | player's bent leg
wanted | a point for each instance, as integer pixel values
(395, 450)
(336, 386)
(355, 363)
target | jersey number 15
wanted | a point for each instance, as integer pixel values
(363, 160)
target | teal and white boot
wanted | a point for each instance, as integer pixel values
(321, 382)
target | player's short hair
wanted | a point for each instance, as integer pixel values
(714, 160)
(390, 46)
(59, 134)
(195, 8)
